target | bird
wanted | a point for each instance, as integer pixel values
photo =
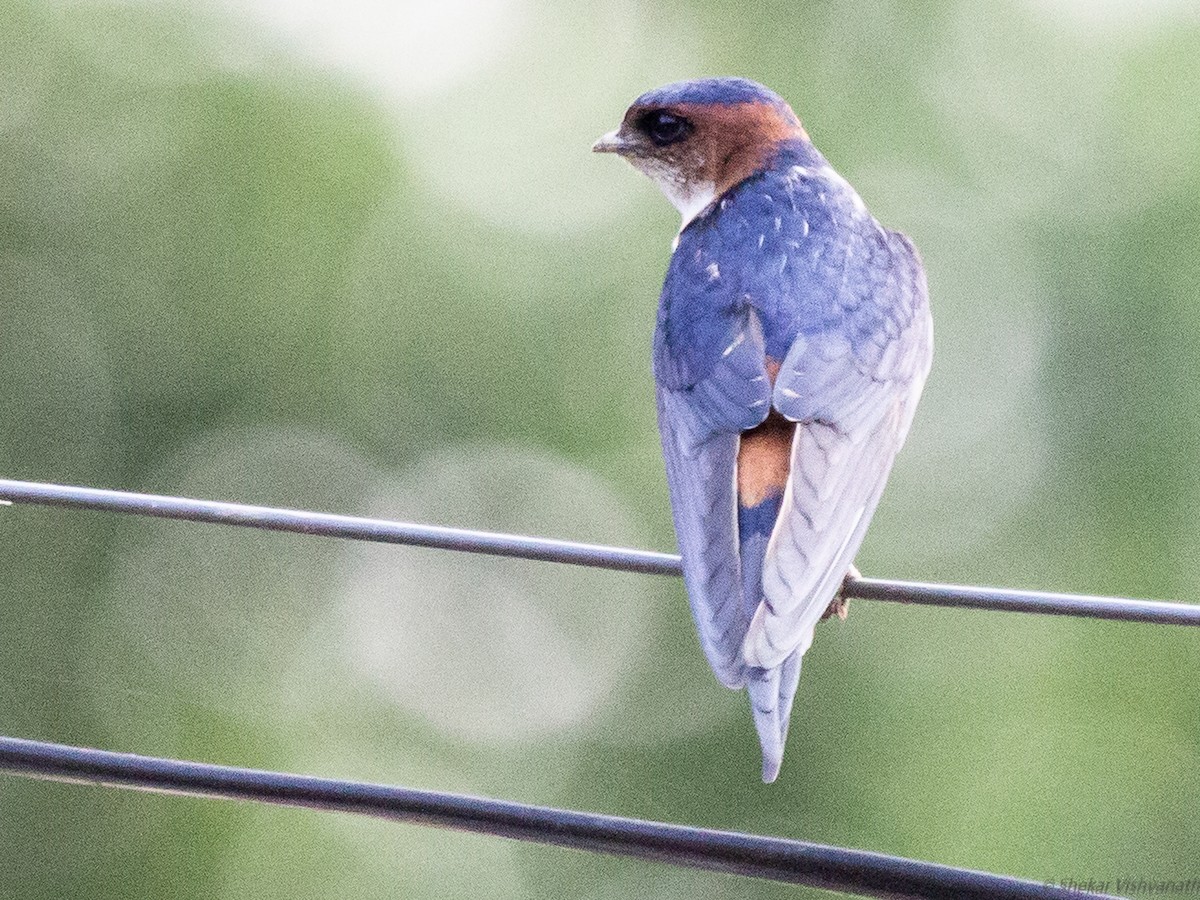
(792, 341)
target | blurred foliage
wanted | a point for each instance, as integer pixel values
(358, 257)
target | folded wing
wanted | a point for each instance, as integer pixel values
(852, 388)
(701, 420)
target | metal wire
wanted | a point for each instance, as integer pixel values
(548, 550)
(798, 862)
(831, 868)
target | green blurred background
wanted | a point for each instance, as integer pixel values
(357, 257)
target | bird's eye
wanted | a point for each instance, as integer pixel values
(665, 128)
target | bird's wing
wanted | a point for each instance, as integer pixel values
(852, 387)
(711, 386)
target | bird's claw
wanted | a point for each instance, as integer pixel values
(840, 606)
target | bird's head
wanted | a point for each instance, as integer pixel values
(697, 139)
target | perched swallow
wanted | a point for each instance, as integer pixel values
(792, 343)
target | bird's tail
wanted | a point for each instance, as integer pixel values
(771, 693)
(771, 690)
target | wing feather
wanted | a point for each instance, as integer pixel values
(701, 425)
(852, 393)
(700, 478)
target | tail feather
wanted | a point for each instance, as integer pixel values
(771, 694)
(771, 690)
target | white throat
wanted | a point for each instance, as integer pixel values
(689, 199)
(689, 196)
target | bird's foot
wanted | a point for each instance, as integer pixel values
(840, 606)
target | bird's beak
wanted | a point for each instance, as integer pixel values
(613, 142)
